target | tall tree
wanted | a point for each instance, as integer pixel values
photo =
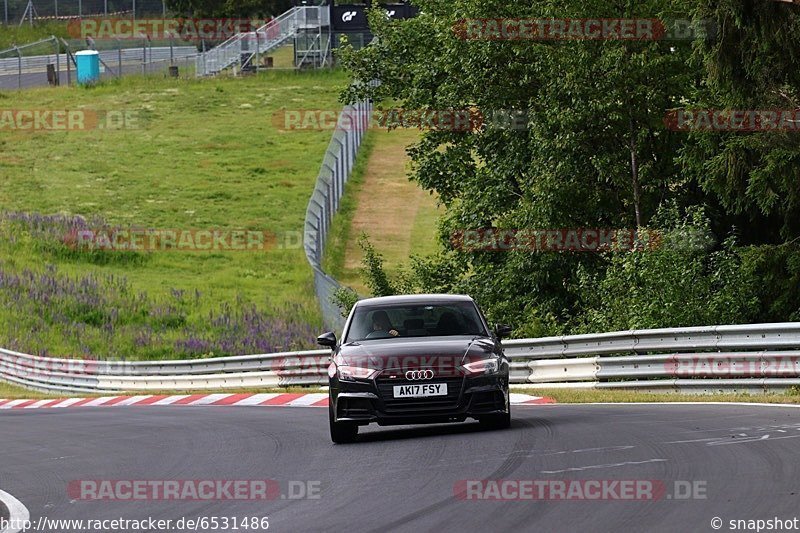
(752, 65)
(594, 152)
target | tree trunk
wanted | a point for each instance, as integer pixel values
(637, 193)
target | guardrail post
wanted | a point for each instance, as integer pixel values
(352, 151)
(19, 68)
(329, 205)
(323, 227)
(203, 55)
(358, 109)
(352, 147)
(342, 161)
(334, 189)
(69, 66)
(339, 173)
(361, 122)
(318, 241)
(346, 156)
(58, 60)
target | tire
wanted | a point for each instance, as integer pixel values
(341, 432)
(502, 421)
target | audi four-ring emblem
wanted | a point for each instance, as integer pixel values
(416, 375)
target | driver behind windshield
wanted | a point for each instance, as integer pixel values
(381, 326)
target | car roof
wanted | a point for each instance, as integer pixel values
(413, 299)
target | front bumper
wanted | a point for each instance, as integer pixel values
(366, 402)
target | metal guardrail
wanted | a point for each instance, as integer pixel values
(266, 38)
(26, 66)
(743, 358)
(70, 375)
(10, 66)
(337, 164)
(748, 358)
(18, 12)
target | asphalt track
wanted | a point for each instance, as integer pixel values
(39, 79)
(403, 479)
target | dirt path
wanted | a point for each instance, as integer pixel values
(398, 216)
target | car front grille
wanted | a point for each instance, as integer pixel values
(419, 405)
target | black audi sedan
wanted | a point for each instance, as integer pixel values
(416, 359)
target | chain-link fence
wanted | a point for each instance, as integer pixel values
(336, 167)
(51, 61)
(16, 11)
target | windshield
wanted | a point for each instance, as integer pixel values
(415, 320)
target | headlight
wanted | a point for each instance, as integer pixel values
(484, 366)
(350, 373)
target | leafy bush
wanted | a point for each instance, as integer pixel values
(683, 279)
(345, 298)
(671, 286)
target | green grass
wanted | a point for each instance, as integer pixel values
(283, 57)
(424, 231)
(13, 34)
(340, 233)
(206, 155)
(622, 396)
(12, 392)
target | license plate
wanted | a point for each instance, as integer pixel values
(420, 391)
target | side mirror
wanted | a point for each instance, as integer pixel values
(327, 339)
(502, 331)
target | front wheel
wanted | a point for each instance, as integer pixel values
(501, 421)
(341, 432)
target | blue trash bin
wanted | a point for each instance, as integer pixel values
(87, 65)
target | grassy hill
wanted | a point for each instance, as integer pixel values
(16, 34)
(205, 154)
